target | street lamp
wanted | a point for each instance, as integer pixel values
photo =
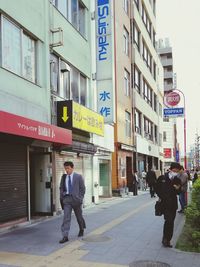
(185, 149)
(185, 155)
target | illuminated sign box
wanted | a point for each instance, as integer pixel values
(73, 115)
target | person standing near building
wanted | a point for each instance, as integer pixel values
(151, 180)
(184, 185)
(167, 188)
(72, 191)
(135, 181)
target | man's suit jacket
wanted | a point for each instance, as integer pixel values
(78, 188)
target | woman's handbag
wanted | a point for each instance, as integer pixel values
(159, 209)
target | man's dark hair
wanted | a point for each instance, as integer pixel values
(175, 165)
(69, 163)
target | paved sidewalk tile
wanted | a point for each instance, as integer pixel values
(119, 231)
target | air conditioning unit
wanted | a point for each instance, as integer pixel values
(64, 66)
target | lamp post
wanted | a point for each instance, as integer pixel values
(185, 147)
(173, 104)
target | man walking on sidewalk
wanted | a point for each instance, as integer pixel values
(184, 184)
(151, 180)
(167, 188)
(72, 191)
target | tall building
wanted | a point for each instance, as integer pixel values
(147, 87)
(139, 92)
(122, 160)
(170, 146)
(48, 111)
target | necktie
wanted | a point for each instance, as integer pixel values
(69, 185)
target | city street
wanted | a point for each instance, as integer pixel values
(120, 231)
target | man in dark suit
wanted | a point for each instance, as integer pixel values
(72, 191)
(167, 188)
(151, 180)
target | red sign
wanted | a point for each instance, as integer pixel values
(17, 125)
(172, 99)
(167, 153)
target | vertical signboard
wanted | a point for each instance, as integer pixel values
(104, 59)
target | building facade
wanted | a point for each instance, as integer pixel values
(147, 88)
(47, 107)
(170, 146)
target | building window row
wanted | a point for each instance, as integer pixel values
(74, 11)
(150, 130)
(147, 57)
(146, 20)
(67, 82)
(18, 50)
(149, 96)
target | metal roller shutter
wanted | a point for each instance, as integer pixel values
(13, 188)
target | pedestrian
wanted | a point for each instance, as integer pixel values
(151, 180)
(184, 185)
(72, 191)
(195, 176)
(135, 181)
(167, 188)
(144, 174)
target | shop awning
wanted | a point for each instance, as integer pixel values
(21, 126)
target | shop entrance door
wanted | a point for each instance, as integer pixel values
(41, 184)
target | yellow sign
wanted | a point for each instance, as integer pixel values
(87, 120)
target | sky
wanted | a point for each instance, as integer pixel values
(178, 20)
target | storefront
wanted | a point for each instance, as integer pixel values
(26, 182)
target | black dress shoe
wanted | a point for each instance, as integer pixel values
(166, 243)
(181, 211)
(81, 233)
(65, 239)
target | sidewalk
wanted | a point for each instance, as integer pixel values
(119, 232)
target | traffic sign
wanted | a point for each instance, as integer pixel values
(173, 112)
(172, 99)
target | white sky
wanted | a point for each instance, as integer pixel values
(179, 20)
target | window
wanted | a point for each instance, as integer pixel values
(137, 3)
(83, 90)
(155, 102)
(154, 71)
(136, 36)
(146, 20)
(54, 73)
(148, 129)
(137, 77)
(81, 21)
(62, 6)
(164, 136)
(160, 110)
(138, 123)
(75, 84)
(126, 6)
(147, 93)
(146, 56)
(67, 82)
(126, 41)
(18, 50)
(127, 82)
(74, 11)
(156, 133)
(128, 124)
